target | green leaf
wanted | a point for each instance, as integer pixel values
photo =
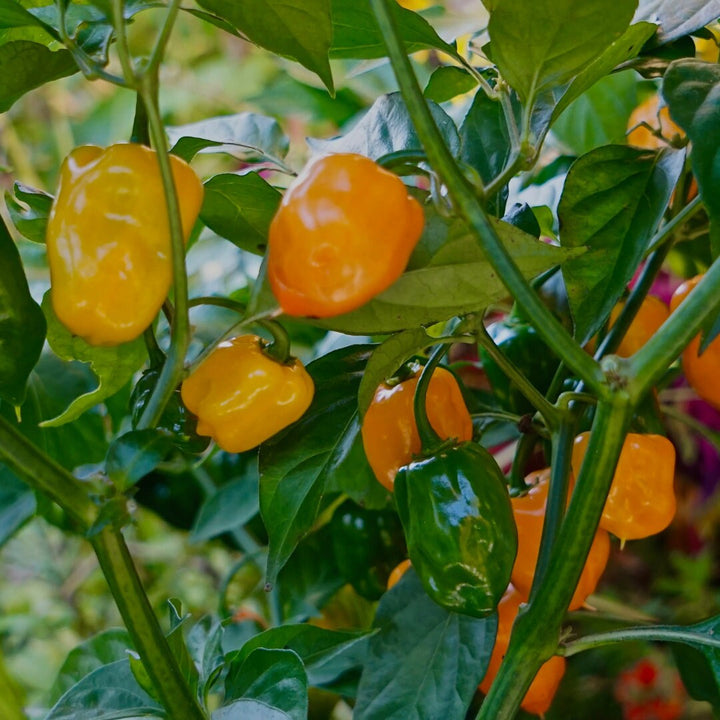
(25, 65)
(113, 366)
(700, 678)
(296, 465)
(387, 359)
(451, 277)
(692, 91)
(178, 646)
(326, 654)
(613, 200)
(448, 82)
(102, 649)
(385, 128)
(134, 454)
(424, 662)
(204, 643)
(108, 693)
(12, 15)
(29, 211)
(249, 710)
(543, 44)
(240, 208)
(297, 29)
(675, 19)
(247, 136)
(356, 33)
(275, 677)
(228, 509)
(22, 324)
(17, 504)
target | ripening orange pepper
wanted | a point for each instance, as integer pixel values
(641, 501)
(242, 396)
(701, 370)
(108, 239)
(529, 513)
(541, 692)
(389, 433)
(343, 233)
(398, 571)
(652, 314)
(658, 118)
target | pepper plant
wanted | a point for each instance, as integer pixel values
(461, 214)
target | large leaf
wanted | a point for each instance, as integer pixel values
(17, 504)
(249, 710)
(386, 128)
(677, 19)
(613, 200)
(356, 33)
(113, 366)
(692, 91)
(297, 29)
(543, 44)
(424, 663)
(108, 693)
(448, 275)
(275, 677)
(296, 466)
(240, 208)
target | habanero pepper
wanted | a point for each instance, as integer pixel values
(108, 239)
(641, 501)
(22, 323)
(389, 431)
(652, 313)
(242, 396)
(343, 233)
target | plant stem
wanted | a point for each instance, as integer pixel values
(223, 302)
(536, 631)
(139, 618)
(11, 704)
(469, 207)
(44, 474)
(429, 439)
(163, 36)
(656, 633)
(669, 229)
(123, 51)
(172, 371)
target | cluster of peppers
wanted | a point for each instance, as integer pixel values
(474, 547)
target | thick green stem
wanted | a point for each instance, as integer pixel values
(535, 636)
(163, 36)
(429, 439)
(11, 704)
(471, 210)
(159, 662)
(279, 348)
(523, 453)
(44, 474)
(172, 371)
(121, 44)
(647, 366)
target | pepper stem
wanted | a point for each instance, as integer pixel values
(429, 439)
(279, 348)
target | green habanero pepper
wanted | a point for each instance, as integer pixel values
(22, 324)
(367, 545)
(176, 418)
(455, 509)
(521, 344)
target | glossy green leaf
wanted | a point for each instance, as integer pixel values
(613, 201)
(204, 643)
(29, 210)
(356, 33)
(424, 663)
(13, 14)
(385, 128)
(22, 323)
(17, 504)
(297, 29)
(692, 91)
(108, 693)
(246, 135)
(135, 454)
(543, 44)
(240, 208)
(113, 366)
(275, 677)
(675, 20)
(448, 82)
(178, 646)
(296, 465)
(249, 710)
(701, 679)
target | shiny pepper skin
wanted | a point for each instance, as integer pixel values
(529, 513)
(108, 240)
(701, 370)
(652, 314)
(389, 433)
(242, 396)
(458, 523)
(343, 233)
(541, 692)
(641, 501)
